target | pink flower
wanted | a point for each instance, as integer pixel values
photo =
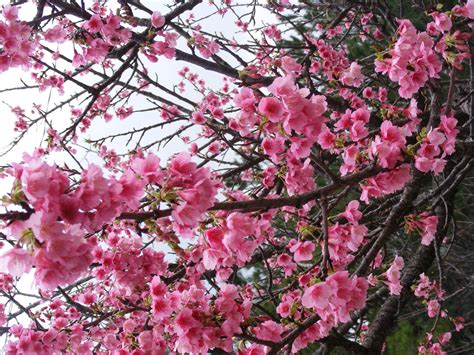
(272, 108)
(299, 177)
(442, 21)
(94, 24)
(350, 159)
(358, 131)
(111, 342)
(41, 181)
(361, 114)
(423, 164)
(425, 224)
(124, 112)
(198, 117)
(352, 213)
(245, 99)
(287, 63)
(438, 166)
(61, 261)
(254, 349)
(269, 330)
(273, 147)
(16, 262)
(326, 139)
(448, 127)
(353, 76)
(368, 93)
(269, 176)
(241, 223)
(389, 145)
(386, 183)
(157, 19)
(205, 46)
(284, 309)
(303, 251)
(433, 308)
(283, 86)
(161, 308)
(57, 34)
(436, 138)
(391, 134)
(470, 9)
(336, 297)
(393, 276)
(145, 340)
(424, 287)
(301, 147)
(358, 232)
(10, 13)
(445, 338)
(148, 168)
(157, 287)
(430, 225)
(131, 189)
(317, 296)
(286, 262)
(69, 209)
(184, 321)
(412, 60)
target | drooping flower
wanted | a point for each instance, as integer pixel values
(393, 276)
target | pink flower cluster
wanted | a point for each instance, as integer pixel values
(385, 183)
(124, 258)
(196, 191)
(352, 76)
(346, 238)
(333, 300)
(49, 342)
(336, 297)
(393, 276)
(289, 106)
(195, 326)
(205, 46)
(16, 44)
(111, 224)
(165, 48)
(269, 330)
(355, 122)
(424, 224)
(62, 217)
(302, 120)
(109, 28)
(234, 242)
(389, 145)
(6, 280)
(303, 116)
(102, 33)
(299, 177)
(426, 288)
(411, 61)
(437, 144)
(431, 294)
(334, 64)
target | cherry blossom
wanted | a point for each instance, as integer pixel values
(274, 187)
